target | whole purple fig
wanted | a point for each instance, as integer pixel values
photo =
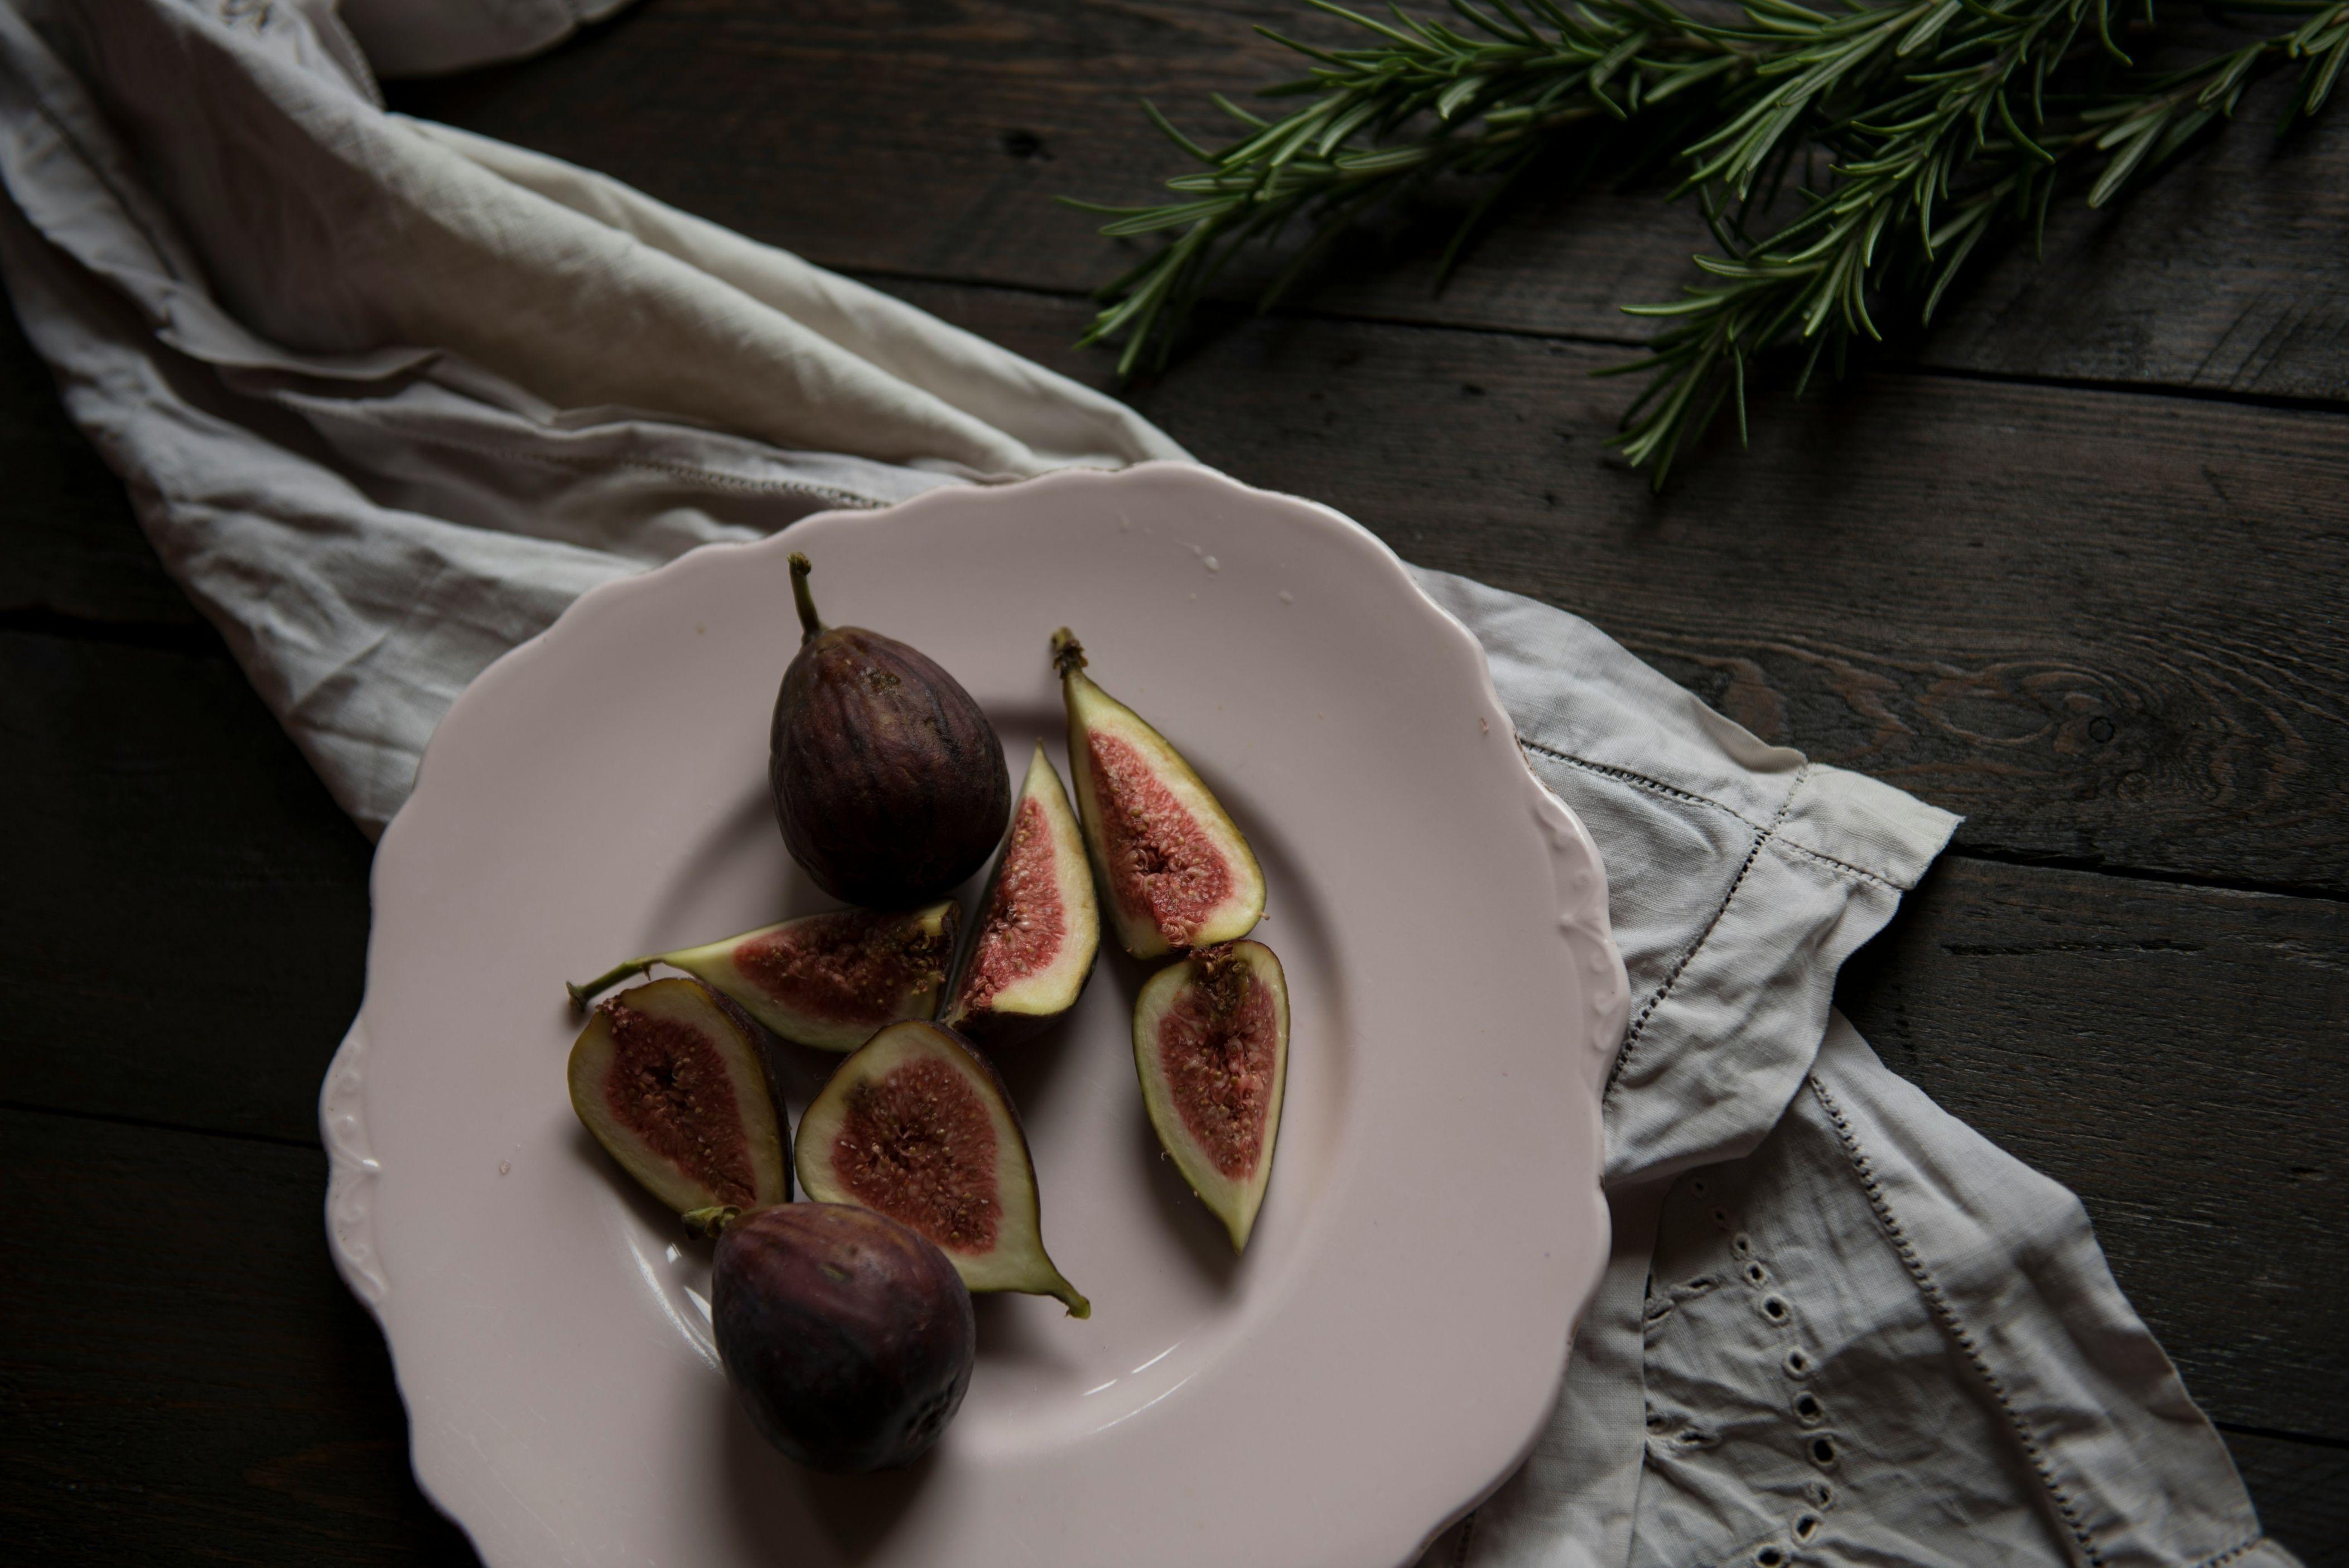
(848, 1338)
(888, 779)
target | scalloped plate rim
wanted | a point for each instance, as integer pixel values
(1573, 854)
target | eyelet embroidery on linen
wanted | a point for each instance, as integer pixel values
(1670, 1436)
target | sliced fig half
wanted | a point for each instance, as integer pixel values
(669, 1079)
(824, 980)
(1211, 1043)
(916, 1126)
(1039, 928)
(1174, 868)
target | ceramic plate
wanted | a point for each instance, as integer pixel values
(1388, 1347)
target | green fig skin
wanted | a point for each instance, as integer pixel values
(1037, 931)
(917, 1125)
(1211, 1041)
(1172, 870)
(824, 980)
(670, 1079)
(889, 782)
(848, 1338)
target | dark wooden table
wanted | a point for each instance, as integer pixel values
(2077, 565)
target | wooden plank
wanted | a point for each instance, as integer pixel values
(2101, 625)
(935, 144)
(2301, 1491)
(74, 547)
(184, 1372)
(2174, 1055)
(186, 940)
(2104, 626)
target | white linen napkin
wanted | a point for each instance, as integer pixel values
(1838, 1326)
(336, 353)
(331, 353)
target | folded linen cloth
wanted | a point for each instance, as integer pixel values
(329, 351)
(337, 355)
(1837, 1326)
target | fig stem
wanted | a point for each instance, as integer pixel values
(811, 625)
(1074, 1301)
(1068, 653)
(583, 994)
(712, 1221)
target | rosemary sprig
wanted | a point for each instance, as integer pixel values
(1492, 102)
(1941, 122)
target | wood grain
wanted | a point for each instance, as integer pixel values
(74, 547)
(2302, 1491)
(186, 938)
(932, 139)
(2174, 1056)
(2100, 624)
(181, 1374)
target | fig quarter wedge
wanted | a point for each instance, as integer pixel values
(824, 980)
(669, 1079)
(1039, 929)
(1174, 868)
(1211, 1045)
(916, 1126)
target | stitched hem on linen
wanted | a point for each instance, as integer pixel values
(1938, 1301)
(1632, 1036)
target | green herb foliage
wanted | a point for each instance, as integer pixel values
(1913, 129)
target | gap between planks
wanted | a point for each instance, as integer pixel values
(1632, 346)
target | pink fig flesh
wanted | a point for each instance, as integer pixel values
(916, 1126)
(1174, 869)
(669, 1079)
(824, 980)
(1040, 929)
(1211, 1046)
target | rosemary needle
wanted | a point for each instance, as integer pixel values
(1915, 128)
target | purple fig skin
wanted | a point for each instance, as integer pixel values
(889, 782)
(848, 1338)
